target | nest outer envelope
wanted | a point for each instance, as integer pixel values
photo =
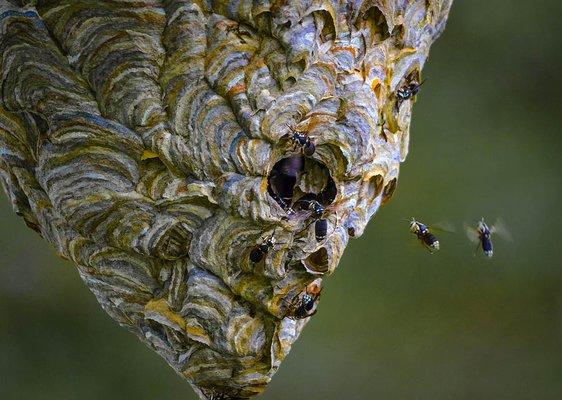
(140, 137)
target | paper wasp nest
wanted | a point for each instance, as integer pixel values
(163, 146)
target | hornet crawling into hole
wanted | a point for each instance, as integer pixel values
(407, 91)
(317, 215)
(260, 251)
(305, 304)
(318, 212)
(303, 141)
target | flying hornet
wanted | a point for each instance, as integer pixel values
(425, 236)
(483, 235)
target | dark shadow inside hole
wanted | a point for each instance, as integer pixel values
(379, 24)
(398, 32)
(40, 123)
(388, 191)
(301, 64)
(263, 20)
(329, 193)
(298, 178)
(289, 81)
(375, 186)
(318, 261)
(287, 25)
(283, 178)
(153, 327)
(261, 12)
(39, 128)
(328, 25)
(414, 76)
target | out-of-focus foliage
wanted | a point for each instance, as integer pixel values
(395, 322)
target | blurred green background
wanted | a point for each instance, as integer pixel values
(394, 322)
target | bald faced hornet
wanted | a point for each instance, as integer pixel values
(303, 141)
(407, 91)
(317, 210)
(320, 229)
(483, 235)
(305, 303)
(312, 205)
(427, 239)
(259, 251)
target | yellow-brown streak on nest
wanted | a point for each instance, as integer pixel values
(172, 150)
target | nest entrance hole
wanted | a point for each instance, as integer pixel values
(388, 191)
(298, 177)
(378, 22)
(318, 262)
